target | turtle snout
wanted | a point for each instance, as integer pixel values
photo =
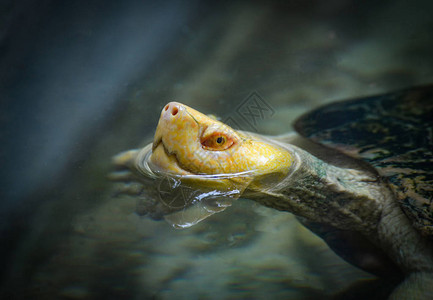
(172, 110)
(174, 123)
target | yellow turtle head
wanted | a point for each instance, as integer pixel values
(188, 142)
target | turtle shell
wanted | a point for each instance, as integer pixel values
(393, 133)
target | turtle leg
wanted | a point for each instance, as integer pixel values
(417, 285)
(125, 159)
(128, 183)
(122, 176)
(132, 189)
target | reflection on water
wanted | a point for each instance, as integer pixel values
(83, 83)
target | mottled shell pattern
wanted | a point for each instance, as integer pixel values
(393, 133)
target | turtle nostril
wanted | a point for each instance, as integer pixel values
(174, 111)
(171, 109)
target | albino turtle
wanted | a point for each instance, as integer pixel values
(358, 173)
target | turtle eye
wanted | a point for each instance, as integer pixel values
(220, 140)
(217, 142)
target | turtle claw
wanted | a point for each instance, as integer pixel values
(122, 176)
(125, 159)
(131, 189)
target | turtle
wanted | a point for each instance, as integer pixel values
(357, 172)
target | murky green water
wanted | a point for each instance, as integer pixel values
(71, 238)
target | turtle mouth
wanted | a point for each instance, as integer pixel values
(166, 160)
(160, 143)
(157, 141)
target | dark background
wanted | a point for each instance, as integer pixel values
(83, 80)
